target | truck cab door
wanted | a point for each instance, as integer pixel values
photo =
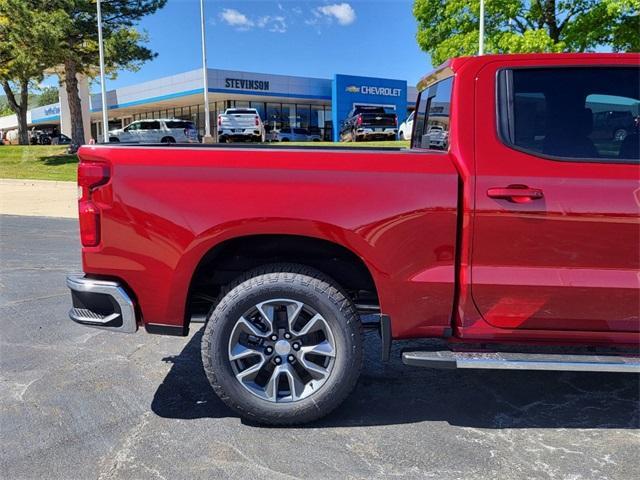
(556, 229)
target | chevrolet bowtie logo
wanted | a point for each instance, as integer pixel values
(352, 89)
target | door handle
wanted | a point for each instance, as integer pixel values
(515, 193)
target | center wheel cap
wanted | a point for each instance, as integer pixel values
(282, 347)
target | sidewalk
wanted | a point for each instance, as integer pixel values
(40, 198)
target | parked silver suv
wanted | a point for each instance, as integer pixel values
(158, 130)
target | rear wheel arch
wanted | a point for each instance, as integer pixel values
(230, 259)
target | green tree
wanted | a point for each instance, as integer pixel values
(24, 37)
(449, 28)
(5, 109)
(47, 96)
(77, 48)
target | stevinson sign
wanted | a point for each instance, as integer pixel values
(242, 84)
(378, 91)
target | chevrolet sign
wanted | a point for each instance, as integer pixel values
(380, 91)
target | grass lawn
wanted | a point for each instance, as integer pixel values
(40, 162)
(37, 162)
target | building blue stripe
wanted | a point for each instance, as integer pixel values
(271, 94)
(46, 119)
(212, 90)
(149, 100)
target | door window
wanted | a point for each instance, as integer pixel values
(587, 114)
(150, 125)
(179, 124)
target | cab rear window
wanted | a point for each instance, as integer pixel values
(432, 118)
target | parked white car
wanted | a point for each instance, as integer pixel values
(159, 130)
(404, 132)
(11, 137)
(288, 134)
(438, 137)
(242, 124)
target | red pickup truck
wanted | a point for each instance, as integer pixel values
(516, 241)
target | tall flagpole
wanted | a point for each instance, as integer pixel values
(103, 87)
(205, 80)
(481, 41)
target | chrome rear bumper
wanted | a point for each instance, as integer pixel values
(101, 304)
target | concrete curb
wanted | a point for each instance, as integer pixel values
(28, 181)
(40, 198)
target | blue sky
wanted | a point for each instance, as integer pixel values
(314, 38)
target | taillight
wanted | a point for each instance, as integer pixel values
(359, 121)
(219, 121)
(257, 121)
(89, 216)
(91, 175)
(395, 118)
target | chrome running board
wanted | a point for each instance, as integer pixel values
(522, 361)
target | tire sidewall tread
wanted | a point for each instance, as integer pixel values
(323, 294)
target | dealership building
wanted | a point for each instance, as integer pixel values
(316, 104)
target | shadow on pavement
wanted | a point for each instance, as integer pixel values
(392, 393)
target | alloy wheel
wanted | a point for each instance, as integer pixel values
(282, 350)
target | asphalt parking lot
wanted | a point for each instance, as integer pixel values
(78, 403)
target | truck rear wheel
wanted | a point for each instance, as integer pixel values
(283, 346)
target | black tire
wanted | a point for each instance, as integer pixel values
(168, 140)
(303, 284)
(401, 136)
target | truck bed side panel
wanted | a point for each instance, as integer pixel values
(164, 208)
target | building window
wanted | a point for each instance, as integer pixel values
(288, 115)
(273, 120)
(303, 114)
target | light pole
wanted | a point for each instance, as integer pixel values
(103, 87)
(481, 41)
(205, 80)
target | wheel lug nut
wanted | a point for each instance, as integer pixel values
(287, 335)
(278, 360)
(269, 350)
(296, 346)
(274, 337)
(291, 358)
